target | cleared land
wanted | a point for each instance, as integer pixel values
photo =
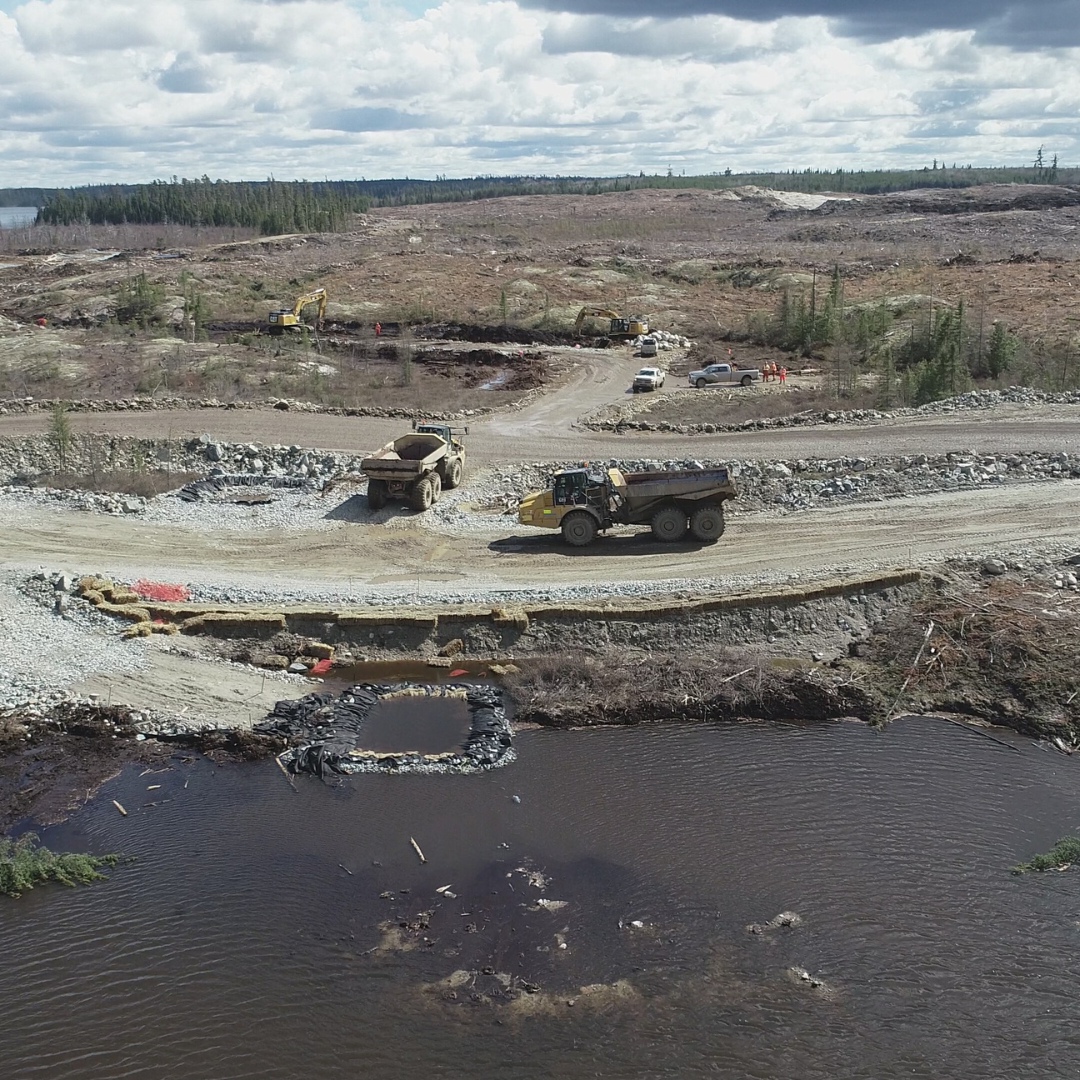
(478, 301)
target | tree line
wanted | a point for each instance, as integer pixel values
(274, 206)
(269, 207)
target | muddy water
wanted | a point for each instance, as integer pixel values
(419, 725)
(238, 945)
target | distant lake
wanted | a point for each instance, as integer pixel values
(14, 217)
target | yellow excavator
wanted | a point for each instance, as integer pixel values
(277, 321)
(618, 327)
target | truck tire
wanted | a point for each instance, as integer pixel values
(453, 474)
(420, 495)
(669, 524)
(701, 384)
(376, 494)
(579, 528)
(746, 380)
(435, 480)
(707, 524)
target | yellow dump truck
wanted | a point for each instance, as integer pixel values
(416, 467)
(583, 502)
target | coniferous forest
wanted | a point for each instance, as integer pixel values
(273, 206)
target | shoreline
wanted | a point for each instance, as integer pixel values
(973, 645)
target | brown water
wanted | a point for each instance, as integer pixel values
(422, 725)
(238, 944)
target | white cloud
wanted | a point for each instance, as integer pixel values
(99, 90)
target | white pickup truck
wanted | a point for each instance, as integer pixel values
(648, 378)
(724, 375)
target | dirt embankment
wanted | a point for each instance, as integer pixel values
(993, 649)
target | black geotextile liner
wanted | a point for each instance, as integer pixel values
(328, 727)
(214, 485)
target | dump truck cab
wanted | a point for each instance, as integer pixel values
(579, 487)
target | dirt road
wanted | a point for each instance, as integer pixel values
(540, 433)
(415, 561)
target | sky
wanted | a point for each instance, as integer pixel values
(96, 91)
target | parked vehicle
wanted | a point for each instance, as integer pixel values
(648, 378)
(583, 502)
(416, 467)
(724, 375)
(647, 348)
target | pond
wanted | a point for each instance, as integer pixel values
(282, 930)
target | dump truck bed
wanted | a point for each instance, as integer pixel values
(409, 455)
(679, 484)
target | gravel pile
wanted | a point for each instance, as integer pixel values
(43, 652)
(152, 404)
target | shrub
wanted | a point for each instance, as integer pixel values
(1064, 853)
(24, 864)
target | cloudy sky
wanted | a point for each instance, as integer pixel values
(132, 90)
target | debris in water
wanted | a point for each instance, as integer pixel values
(120, 808)
(423, 858)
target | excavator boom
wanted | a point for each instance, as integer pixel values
(277, 321)
(618, 326)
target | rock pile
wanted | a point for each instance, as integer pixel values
(665, 340)
(328, 729)
(626, 417)
(150, 404)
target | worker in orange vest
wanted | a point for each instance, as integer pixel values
(378, 329)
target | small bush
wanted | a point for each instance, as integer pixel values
(1064, 853)
(24, 864)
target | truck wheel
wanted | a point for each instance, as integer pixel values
(435, 480)
(707, 524)
(701, 384)
(579, 528)
(453, 474)
(669, 524)
(746, 380)
(420, 495)
(376, 494)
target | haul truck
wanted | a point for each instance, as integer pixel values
(583, 502)
(416, 467)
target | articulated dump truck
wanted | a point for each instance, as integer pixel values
(583, 502)
(415, 467)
